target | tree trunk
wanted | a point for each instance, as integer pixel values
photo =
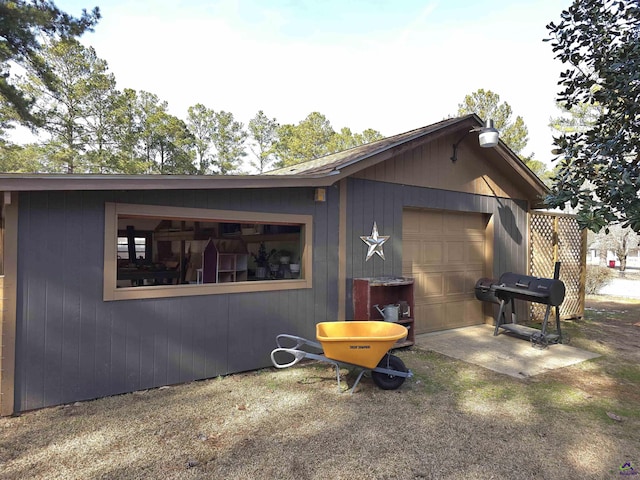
(623, 263)
(602, 252)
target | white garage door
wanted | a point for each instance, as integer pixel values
(445, 253)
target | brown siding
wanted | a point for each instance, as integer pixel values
(430, 166)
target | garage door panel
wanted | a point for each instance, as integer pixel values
(473, 309)
(455, 252)
(432, 224)
(455, 313)
(475, 252)
(454, 283)
(422, 223)
(432, 253)
(429, 318)
(476, 223)
(454, 223)
(471, 277)
(461, 314)
(445, 253)
(429, 285)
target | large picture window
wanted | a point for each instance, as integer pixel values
(153, 252)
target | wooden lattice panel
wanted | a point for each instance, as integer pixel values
(572, 254)
(541, 255)
(557, 238)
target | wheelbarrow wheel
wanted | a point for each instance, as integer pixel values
(385, 381)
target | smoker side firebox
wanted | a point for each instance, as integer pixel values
(511, 287)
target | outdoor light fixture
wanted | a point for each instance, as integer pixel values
(488, 138)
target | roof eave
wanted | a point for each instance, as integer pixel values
(34, 182)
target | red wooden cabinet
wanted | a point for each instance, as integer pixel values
(382, 291)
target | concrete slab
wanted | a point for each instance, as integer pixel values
(504, 354)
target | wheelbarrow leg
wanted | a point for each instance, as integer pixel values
(337, 374)
(357, 380)
(362, 372)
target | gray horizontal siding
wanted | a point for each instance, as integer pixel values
(369, 201)
(73, 346)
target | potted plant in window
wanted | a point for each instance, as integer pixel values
(262, 260)
(294, 268)
(285, 256)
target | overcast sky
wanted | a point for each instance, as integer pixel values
(391, 65)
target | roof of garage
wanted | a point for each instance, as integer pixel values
(347, 162)
(319, 172)
(332, 164)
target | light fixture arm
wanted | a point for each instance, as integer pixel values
(488, 130)
(454, 156)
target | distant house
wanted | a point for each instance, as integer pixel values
(610, 258)
(119, 283)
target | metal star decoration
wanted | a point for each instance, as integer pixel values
(375, 242)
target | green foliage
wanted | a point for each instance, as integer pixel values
(537, 167)
(153, 140)
(201, 122)
(345, 139)
(148, 111)
(73, 104)
(305, 141)
(369, 135)
(599, 172)
(127, 116)
(229, 144)
(262, 257)
(171, 141)
(263, 132)
(23, 24)
(314, 137)
(579, 118)
(486, 104)
(17, 159)
(597, 278)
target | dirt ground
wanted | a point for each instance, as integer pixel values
(451, 420)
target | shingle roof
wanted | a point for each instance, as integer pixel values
(335, 161)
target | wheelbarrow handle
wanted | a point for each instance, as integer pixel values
(299, 341)
(297, 356)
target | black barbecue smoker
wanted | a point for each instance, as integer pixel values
(513, 286)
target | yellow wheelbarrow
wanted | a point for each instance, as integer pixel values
(363, 344)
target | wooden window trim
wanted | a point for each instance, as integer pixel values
(113, 210)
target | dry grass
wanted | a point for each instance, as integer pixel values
(452, 420)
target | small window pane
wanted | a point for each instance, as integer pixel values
(140, 246)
